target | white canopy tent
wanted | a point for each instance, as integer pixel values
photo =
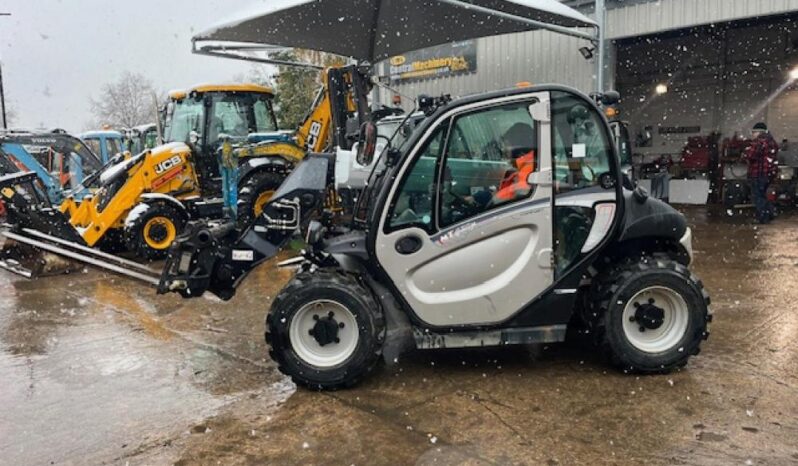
(373, 30)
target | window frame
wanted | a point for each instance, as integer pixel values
(612, 153)
(527, 102)
(445, 127)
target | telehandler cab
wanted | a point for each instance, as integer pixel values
(502, 219)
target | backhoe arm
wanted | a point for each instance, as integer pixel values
(344, 94)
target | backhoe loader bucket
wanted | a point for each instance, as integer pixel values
(28, 215)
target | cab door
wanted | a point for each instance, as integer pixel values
(466, 236)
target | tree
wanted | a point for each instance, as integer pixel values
(295, 87)
(125, 103)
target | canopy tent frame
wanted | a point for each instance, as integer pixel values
(246, 51)
(236, 51)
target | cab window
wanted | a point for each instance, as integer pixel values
(113, 147)
(264, 118)
(489, 157)
(413, 204)
(230, 118)
(183, 117)
(94, 145)
(239, 115)
(582, 149)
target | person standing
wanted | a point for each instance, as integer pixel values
(762, 158)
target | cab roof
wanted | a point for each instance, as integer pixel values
(100, 133)
(233, 87)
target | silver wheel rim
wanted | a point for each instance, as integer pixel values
(676, 316)
(308, 348)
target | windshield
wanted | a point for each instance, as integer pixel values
(396, 130)
(94, 145)
(183, 117)
(113, 147)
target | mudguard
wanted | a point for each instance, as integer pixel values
(165, 198)
(646, 217)
(280, 156)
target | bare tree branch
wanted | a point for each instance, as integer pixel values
(125, 103)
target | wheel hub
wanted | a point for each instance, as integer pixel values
(158, 232)
(325, 330)
(649, 315)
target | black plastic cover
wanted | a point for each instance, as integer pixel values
(646, 217)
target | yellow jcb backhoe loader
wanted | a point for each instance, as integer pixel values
(145, 201)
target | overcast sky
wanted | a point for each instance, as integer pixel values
(58, 53)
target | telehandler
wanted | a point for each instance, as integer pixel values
(502, 219)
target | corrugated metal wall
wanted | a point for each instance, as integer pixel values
(541, 57)
(664, 15)
(503, 61)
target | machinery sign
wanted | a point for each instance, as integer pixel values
(435, 62)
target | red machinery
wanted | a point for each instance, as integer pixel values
(697, 154)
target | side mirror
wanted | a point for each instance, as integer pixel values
(366, 143)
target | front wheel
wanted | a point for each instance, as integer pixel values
(255, 193)
(653, 315)
(151, 228)
(325, 330)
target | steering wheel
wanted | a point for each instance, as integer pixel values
(462, 206)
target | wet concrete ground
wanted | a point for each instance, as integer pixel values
(96, 369)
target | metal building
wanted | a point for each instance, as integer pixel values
(684, 67)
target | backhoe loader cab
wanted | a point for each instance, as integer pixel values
(141, 138)
(500, 220)
(205, 115)
(105, 143)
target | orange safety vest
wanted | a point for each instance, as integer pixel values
(515, 184)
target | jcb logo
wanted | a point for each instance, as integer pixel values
(167, 165)
(313, 137)
(398, 60)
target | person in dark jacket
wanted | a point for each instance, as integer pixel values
(762, 158)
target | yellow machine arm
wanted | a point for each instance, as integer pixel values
(165, 170)
(344, 92)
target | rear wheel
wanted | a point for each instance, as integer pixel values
(652, 314)
(325, 330)
(255, 193)
(151, 233)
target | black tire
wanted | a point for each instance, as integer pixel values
(616, 286)
(307, 288)
(136, 231)
(251, 189)
(113, 241)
